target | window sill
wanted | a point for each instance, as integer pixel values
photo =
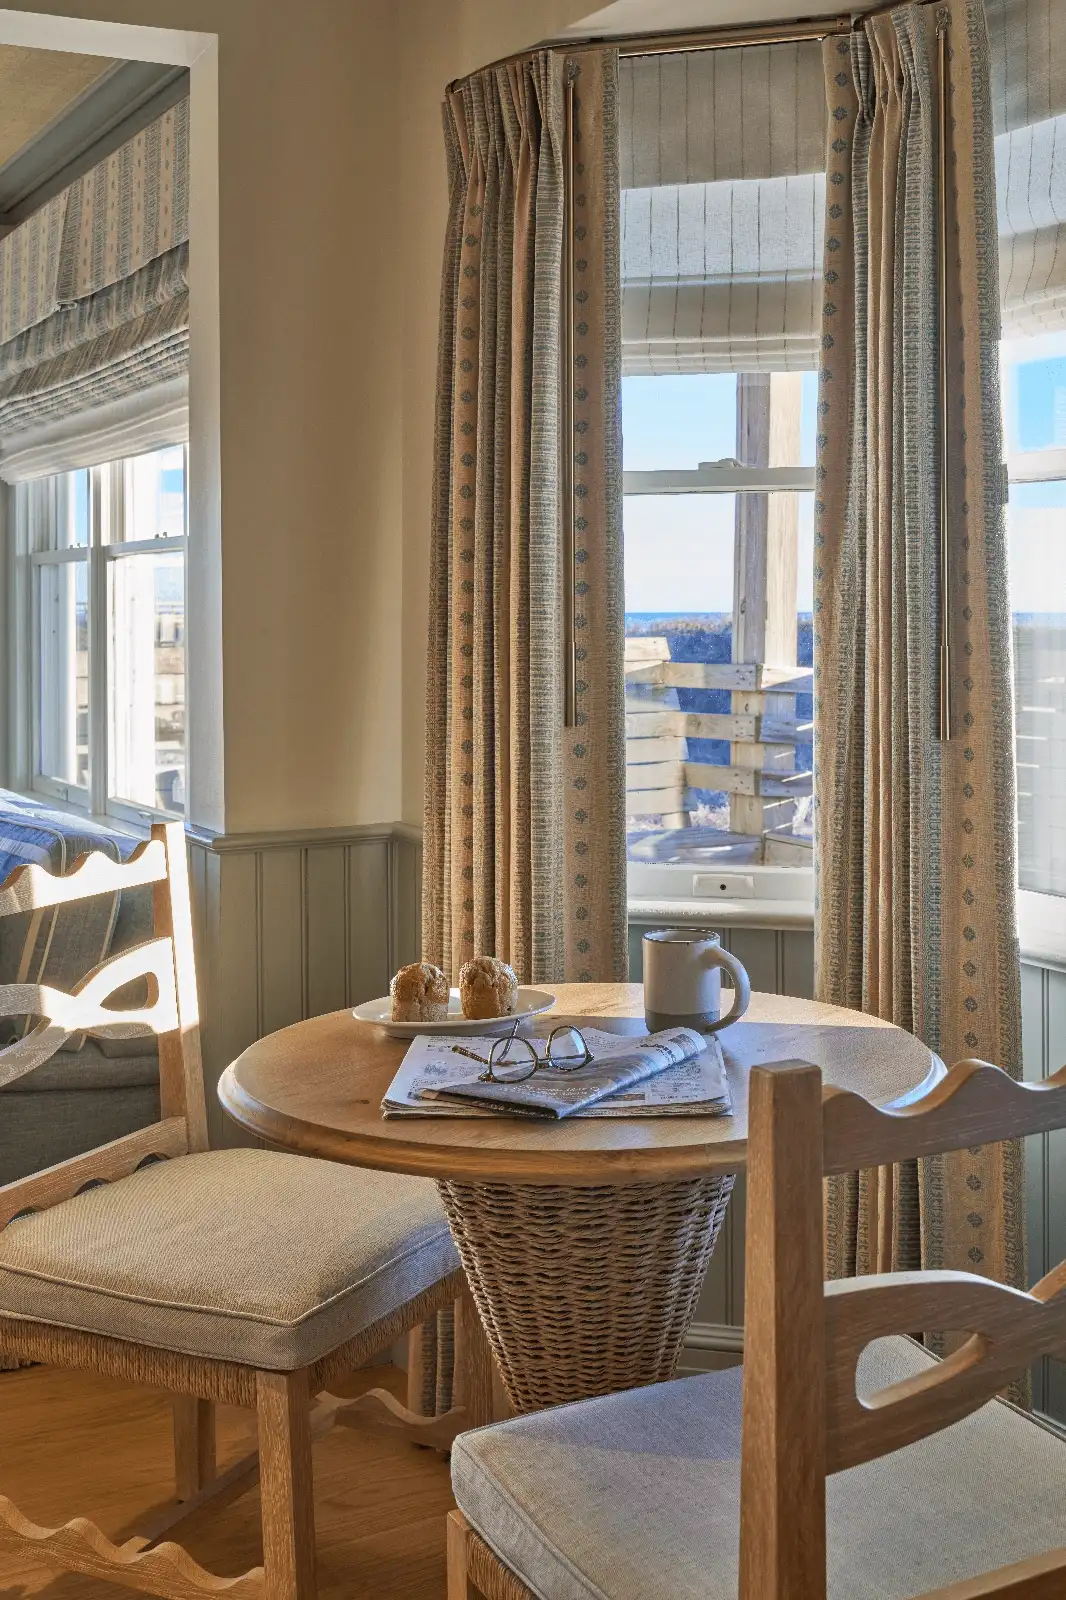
(1042, 929)
(751, 897)
(754, 913)
(127, 826)
(1041, 917)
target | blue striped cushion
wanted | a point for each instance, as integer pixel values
(61, 946)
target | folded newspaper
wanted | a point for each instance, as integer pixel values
(674, 1073)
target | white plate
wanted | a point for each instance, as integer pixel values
(530, 1003)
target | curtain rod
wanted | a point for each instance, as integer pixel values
(733, 38)
(726, 38)
(646, 44)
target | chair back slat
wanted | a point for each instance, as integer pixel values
(84, 1010)
(103, 1165)
(975, 1104)
(793, 1129)
(181, 1071)
(1038, 1578)
(171, 1013)
(31, 888)
(1008, 1331)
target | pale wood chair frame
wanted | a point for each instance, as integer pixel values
(287, 1424)
(803, 1337)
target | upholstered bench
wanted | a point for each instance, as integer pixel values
(84, 1096)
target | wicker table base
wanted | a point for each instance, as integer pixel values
(585, 1291)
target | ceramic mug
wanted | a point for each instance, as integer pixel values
(683, 981)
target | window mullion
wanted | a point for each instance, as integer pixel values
(100, 513)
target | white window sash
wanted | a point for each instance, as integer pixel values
(1037, 466)
(715, 477)
(38, 510)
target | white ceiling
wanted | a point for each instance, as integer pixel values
(668, 16)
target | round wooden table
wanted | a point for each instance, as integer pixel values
(585, 1242)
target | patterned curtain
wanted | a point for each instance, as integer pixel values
(525, 817)
(916, 846)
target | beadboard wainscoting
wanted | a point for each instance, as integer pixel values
(290, 925)
(1044, 1052)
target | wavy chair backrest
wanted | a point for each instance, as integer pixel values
(165, 961)
(803, 1339)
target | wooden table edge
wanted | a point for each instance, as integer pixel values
(545, 1168)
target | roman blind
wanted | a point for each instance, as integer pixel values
(722, 159)
(1028, 49)
(94, 302)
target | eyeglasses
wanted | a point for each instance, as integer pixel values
(513, 1059)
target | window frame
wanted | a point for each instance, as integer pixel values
(747, 889)
(37, 507)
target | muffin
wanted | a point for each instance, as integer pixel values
(487, 988)
(419, 994)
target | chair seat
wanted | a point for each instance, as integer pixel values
(252, 1256)
(636, 1496)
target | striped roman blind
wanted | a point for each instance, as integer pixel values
(94, 300)
(1028, 44)
(722, 159)
(702, 116)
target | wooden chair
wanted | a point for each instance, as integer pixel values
(246, 1276)
(844, 1459)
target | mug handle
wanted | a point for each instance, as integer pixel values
(741, 986)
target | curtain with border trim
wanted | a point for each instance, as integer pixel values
(915, 916)
(524, 840)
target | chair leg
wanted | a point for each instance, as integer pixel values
(283, 1406)
(418, 1357)
(194, 1444)
(459, 1585)
(473, 1363)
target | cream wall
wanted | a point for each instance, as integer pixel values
(308, 592)
(305, 634)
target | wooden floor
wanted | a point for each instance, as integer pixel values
(73, 1444)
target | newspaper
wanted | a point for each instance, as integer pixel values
(678, 1073)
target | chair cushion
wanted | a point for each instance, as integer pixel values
(84, 1071)
(271, 1260)
(636, 1496)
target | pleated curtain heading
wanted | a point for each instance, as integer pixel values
(94, 302)
(915, 847)
(722, 164)
(524, 837)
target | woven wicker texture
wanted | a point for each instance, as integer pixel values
(635, 1259)
(489, 1575)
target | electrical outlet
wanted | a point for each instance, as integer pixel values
(723, 886)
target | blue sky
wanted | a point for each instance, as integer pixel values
(679, 548)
